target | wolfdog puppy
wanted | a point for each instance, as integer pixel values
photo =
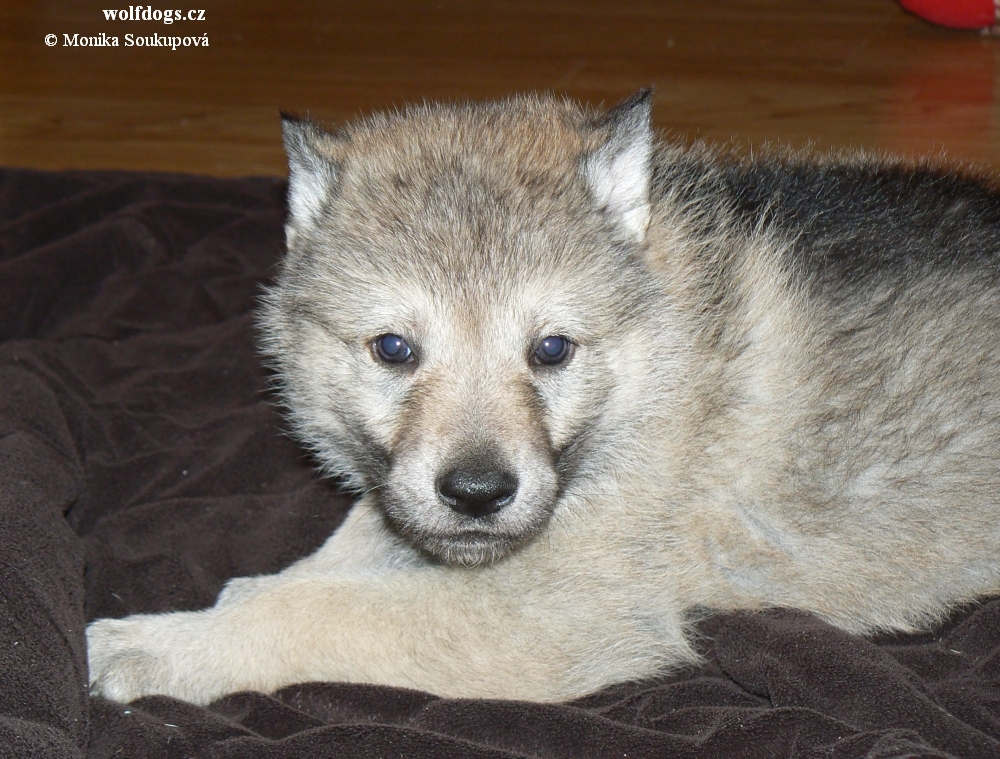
(589, 385)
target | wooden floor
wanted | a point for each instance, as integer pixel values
(860, 73)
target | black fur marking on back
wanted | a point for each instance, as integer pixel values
(869, 222)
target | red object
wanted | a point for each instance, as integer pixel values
(958, 14)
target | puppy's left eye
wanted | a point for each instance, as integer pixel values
(552, 350)
(392, 349)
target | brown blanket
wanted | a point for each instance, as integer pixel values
(141, 465)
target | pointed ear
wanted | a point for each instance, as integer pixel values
(619, 171)
(312, 170)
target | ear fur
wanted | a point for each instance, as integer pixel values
(619, 171)
(312, 171)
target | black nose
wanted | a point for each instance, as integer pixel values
(477, 492)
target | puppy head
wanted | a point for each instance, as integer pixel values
(456, 326)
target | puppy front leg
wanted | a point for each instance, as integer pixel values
(431, 628)
(456, 633)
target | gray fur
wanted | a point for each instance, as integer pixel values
(782, 391)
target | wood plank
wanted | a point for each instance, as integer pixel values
(844, 73)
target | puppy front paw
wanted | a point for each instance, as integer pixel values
(152, 654)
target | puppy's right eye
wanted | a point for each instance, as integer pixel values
(553, 350)
(392, 349)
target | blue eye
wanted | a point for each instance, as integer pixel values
(552, 350)
(393, 349)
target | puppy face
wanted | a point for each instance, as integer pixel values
(455, 310)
